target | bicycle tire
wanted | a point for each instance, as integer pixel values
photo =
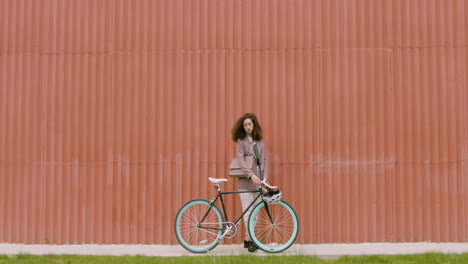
(277, 236)
(189, 235)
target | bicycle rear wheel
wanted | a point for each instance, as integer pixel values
(273, 227)
(193, 234)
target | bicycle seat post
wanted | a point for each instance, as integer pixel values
(216, 182)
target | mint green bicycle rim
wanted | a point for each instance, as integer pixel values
(285, 245)
(179, 235)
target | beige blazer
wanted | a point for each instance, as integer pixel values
(245, 148)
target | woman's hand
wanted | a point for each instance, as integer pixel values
(255, 180)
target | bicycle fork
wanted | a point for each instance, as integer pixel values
(269, 214)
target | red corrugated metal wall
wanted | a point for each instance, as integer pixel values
(114, 113)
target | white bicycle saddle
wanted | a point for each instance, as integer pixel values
(217, 181)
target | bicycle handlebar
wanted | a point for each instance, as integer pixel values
(269, 186)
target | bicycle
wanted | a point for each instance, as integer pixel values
(273, 226)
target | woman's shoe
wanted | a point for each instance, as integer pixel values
(247, 243)
(252, 247)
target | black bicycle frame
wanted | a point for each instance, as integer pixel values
(220, 197)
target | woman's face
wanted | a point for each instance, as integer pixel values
(248, 126)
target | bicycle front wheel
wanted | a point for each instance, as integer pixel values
(273, 227)
(198, 225)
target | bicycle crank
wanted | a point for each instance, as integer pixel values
(230, 230)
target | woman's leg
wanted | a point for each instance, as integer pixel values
(246, 200)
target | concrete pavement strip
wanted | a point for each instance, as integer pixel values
(319, 250)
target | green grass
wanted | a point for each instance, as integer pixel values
(428, 258)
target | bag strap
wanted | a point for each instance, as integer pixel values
(257, 156)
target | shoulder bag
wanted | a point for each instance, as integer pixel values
(235, 169)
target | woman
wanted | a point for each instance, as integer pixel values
(247, 132)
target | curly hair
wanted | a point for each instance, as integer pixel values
(238, 131)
